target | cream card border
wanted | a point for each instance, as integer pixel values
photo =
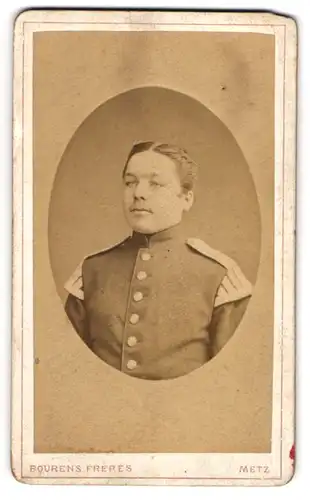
(202, 469)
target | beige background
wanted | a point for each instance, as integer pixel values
(80, 403)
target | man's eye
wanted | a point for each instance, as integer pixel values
(130, 183)
(154, 183)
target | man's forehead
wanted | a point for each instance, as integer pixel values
(150, 163)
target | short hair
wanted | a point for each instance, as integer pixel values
(187, 168)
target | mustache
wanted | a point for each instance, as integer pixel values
(139, 208)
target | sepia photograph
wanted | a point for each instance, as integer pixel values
(162, 302)
(153, 308)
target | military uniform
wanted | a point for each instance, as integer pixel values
(157, 307)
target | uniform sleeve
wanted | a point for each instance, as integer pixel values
(75, 310)
(231, 301)
(225, 319)
(74, 306)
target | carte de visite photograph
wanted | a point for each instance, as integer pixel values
(153, 248)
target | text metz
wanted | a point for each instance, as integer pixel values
(252, 469)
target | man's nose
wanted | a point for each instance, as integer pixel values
(141, 190)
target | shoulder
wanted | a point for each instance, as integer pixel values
(234, 285)
(105, 251)
(74, 285)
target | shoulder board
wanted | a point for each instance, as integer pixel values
(74, 285)
(234, 286)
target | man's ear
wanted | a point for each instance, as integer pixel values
(189, 200)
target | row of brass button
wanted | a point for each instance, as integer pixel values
(134, 318)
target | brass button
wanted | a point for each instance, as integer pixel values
(141, 275)
(145, 256)
(137, 296)
(131, 364)
(131, 341)
(134, 318)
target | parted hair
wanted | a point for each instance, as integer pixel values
(187, 168)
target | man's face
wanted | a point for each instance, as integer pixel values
(153, 197)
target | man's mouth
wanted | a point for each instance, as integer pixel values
(141, 210)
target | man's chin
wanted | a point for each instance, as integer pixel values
(143, 228)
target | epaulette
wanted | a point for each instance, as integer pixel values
(234, 285)
(74, 285)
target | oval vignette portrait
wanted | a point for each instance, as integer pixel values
(154, 233)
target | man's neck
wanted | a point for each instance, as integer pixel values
(170, 233)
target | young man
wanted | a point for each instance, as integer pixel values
(159, 304)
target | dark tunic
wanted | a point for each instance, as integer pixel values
(157, 307)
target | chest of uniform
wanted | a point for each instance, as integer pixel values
(162, 284)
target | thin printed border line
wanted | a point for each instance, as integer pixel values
(238, 478)
(159, 478)
(152, 23)
(22, 250)
(282, 243)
